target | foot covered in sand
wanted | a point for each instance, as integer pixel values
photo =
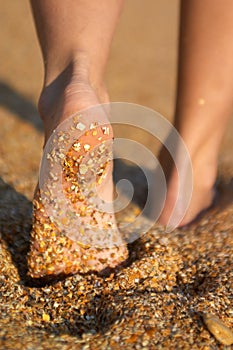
(72, 229)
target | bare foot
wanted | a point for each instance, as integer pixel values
(52, 252)
(204, 175)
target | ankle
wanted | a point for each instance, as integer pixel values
(203, 153)
(69, 91)
(204, 172)
(77, 61)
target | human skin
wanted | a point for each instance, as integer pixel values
(204, 100)
(75, 38)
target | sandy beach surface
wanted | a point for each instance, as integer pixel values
(172, 280)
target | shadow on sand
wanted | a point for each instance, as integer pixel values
(19, 106)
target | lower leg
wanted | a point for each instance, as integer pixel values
(75, 39)
(204, 96)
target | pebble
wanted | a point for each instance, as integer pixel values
(46, 317)
(219, 330)
(80, 126)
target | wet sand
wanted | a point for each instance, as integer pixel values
(158, 301)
